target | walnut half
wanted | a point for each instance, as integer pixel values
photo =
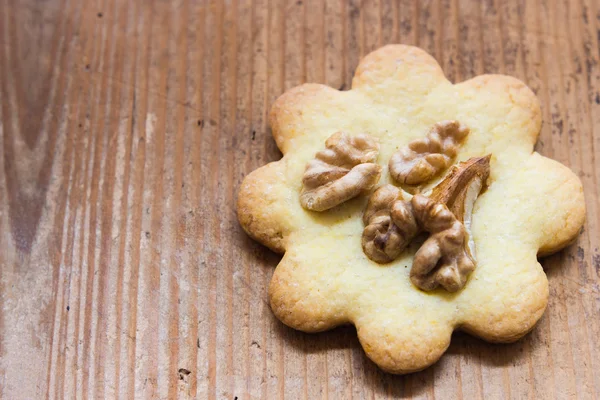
(443, 259)
(461, 187)
(383, 239)
(423, 159)
(345, 169)
(448, 256)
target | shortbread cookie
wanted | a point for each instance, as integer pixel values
(532, 206)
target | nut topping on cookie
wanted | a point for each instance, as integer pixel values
(443, 259)
(447, 257)
(344, 170)
(383, 240)
(460, 188)
(423, 159)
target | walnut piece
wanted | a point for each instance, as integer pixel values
(383, 240)
(423, 159)
(443, 259)
(345, 169)
(448, 256)
(460, 188)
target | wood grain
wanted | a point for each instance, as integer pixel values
(126, 128)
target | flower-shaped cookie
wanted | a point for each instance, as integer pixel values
(533, 206)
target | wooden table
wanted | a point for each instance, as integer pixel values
(126, 128)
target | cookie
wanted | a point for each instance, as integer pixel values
(531, 206)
